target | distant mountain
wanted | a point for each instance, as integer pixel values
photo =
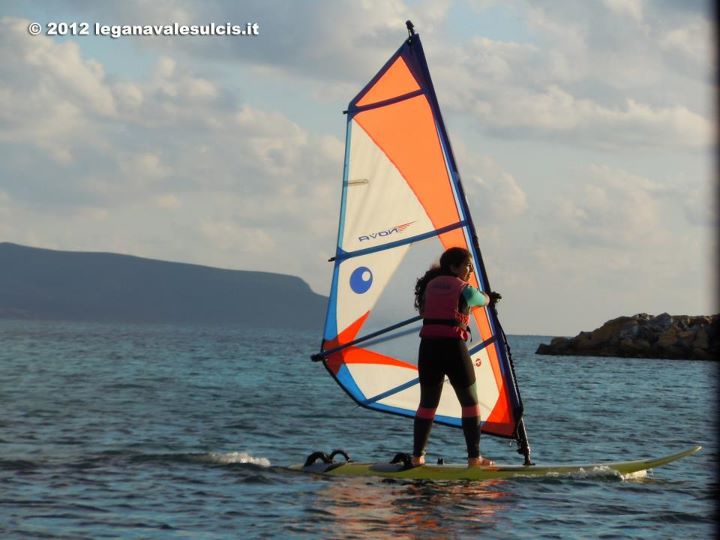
(62, 285)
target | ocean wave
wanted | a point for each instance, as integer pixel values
(227, 458)
(215, 458)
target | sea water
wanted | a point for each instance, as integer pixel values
(164, 432)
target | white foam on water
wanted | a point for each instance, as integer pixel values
(226, 458)
(602, 470)
(599, 471)
(638, 475)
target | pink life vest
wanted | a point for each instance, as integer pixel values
(442, 317)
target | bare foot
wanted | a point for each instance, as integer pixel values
(480, 462)
(417, 461)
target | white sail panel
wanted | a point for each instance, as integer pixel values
(380, 207)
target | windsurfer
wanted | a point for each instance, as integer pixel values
(444, 298)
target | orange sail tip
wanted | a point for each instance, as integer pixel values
(396, 81)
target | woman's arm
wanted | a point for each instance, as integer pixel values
(475, 297)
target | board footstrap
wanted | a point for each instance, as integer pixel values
(403, 458)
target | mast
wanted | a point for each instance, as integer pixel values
(414, 40)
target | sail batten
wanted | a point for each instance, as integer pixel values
(391, 101)
(392, 391)
(398, 243)
(402, 205)
(372, 336)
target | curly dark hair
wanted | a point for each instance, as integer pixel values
(454, 256)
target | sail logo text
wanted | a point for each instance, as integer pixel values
(397, 229)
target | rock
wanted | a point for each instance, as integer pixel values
(645, 336)
(663, 320)
(546, 349)
(701, 354)
(639, 348)
(702, 341)
(630, 330)
(557, 344)
(668, 338)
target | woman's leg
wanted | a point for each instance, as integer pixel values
(429, 399)
(462, 378)
(431, 383)
(470, 418)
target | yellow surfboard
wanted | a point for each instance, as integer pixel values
(462, 472)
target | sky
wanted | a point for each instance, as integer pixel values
(590, 126)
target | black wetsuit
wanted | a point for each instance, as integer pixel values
(437, 358)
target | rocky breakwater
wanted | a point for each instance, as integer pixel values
(681, 337)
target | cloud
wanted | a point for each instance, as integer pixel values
(327, 40)
(229, 236)
(5, 209)
(554, 112)
(700, 205)
(689, 48)
(630, 8)
(635, 209)
(172, 155)
(614, 209)
(146, 165)
(168, 201)
(50, 94)
(616, 243)
(589, 78)
(493, 193)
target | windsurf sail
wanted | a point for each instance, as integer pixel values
(402, 205)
